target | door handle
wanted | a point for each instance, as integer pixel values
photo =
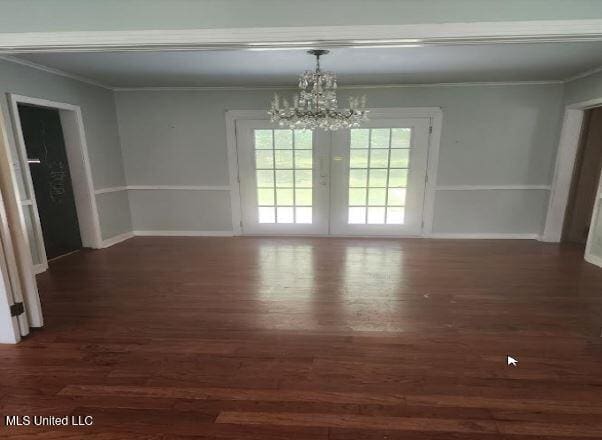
(323, 167)
(323, 171)
(30, 161)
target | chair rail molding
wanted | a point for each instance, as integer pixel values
(162, 188)
(493, 187)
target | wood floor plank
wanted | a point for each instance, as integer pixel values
(310, 338)
(231, 394)
(357, 422)
(549, 406)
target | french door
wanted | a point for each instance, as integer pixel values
(364, 181)
(284, 179)
(379, 177)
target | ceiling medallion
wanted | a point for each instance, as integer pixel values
(316, 104)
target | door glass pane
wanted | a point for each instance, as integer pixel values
(379, 158)
(303, 178)
(303, 139)
(380, 138)
(378, 175)
(400, 137)
(303, 159)
(283, 161)
(357, 196)
(303, 196)
(283, 139)
(359, 158)
(264, 159)
(357, 215)
(263, 140)
(360, 138)
(400, 158)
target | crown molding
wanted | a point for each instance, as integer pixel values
(53, 71)
(314, 36)
(348, 87)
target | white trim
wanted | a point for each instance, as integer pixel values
(315, 36)
(235, 201)
(180, 187)
(27, 180)
(79, 166)
(589, 256)
(343, 87)
(53, 71)
(493, 187)
(117, 239)
(184, 233)
(404, 112)
(585, 105)
(12, 328)
(110, 189)
(568, 146)
(482, 236)
(39, 268)
(432, 166)
(584, 74)
(163, 188)
(16, 250)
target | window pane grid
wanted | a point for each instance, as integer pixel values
(283, 163)
(378, 182)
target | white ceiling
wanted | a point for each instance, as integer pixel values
(358, 66)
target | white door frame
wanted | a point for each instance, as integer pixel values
(79, 168)
(589, 257)
(568, 146)
(18, 279)
(434, 113)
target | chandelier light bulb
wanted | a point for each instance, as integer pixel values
(316, 105)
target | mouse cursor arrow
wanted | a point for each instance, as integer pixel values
(511, 361)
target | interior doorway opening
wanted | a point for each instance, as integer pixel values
(586, 176)
(51, 179)
(57, 195)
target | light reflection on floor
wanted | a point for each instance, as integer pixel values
(353, 287)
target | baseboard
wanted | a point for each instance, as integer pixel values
(184, 233)
(116, 239)
(482, 236)
(440, 235)
(39, 268)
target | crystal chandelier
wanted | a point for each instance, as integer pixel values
(316, 104)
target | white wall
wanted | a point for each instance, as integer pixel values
(493, 136)
(75, 15)
(100, 124)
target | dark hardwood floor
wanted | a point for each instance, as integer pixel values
(309, 338)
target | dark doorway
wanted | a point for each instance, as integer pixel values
(588, 165)
(49, 168)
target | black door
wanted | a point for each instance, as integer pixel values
(44, 141)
